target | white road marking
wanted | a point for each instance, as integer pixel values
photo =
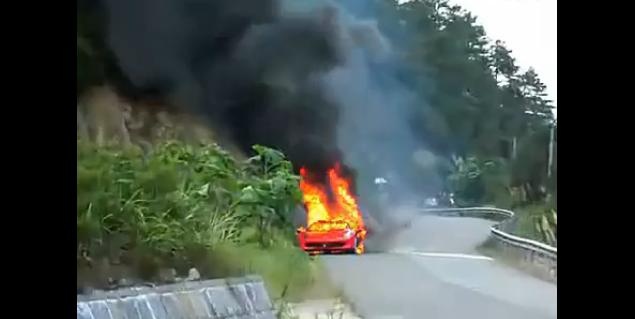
(444, 255)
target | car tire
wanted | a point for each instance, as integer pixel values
(353, 251)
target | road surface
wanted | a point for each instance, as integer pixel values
(434, 271)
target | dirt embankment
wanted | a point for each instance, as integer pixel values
(103, 116)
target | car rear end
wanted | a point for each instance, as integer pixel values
(331, 241)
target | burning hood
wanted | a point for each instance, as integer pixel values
(334, 221)
(330, 204)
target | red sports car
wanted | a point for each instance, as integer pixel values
(331, 237)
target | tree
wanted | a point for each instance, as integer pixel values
(502, 63)
(476, 98)
(534, 92)
(453, 51)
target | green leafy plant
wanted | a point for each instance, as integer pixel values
(179, 195)
(480, 181)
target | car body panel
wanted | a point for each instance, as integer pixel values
(331, 241)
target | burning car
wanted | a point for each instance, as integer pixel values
(334, 221)
(331, 236)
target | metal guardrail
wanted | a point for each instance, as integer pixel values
(515, 241)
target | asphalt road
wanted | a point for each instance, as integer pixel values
(432, 270)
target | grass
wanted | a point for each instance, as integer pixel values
(289, 273)
(179, 206)
(527, 223)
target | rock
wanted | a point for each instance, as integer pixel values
(148, 284)
(167, 275)
(193, 274)
(85, 290)
(111, 283)
(123, 282)
(552, 272)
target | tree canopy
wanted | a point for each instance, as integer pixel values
(478, 100)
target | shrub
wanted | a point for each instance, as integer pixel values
(537, 222)
(476, 181)
(178, 196)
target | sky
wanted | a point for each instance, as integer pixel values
(528, 28)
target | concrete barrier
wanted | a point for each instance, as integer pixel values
(243, 298)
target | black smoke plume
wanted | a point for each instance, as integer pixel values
(303, 76)
(253, 72)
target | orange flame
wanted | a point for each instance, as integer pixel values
(335, 212)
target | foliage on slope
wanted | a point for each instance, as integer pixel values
(184, 206)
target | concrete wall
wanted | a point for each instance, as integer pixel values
(243, 298)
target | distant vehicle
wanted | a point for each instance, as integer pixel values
(446, 200)
(332, 237)
(380, 181)
(451, 200)
(431, 202)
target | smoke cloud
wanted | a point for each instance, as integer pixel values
(306, 77)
